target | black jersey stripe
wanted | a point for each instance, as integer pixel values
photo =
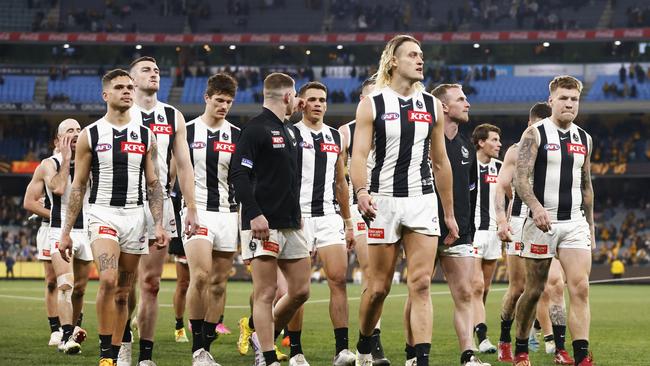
(320, 169)
(539, 177)
(407, 139)
(94, 170)
(120, 169)
(212, 170)
(565, 199)
(380, 142)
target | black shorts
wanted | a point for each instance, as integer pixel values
(176, 247)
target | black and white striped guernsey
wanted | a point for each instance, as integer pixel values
(350, 127)
(210, 153)
(402, 138)
(161, 120)
(47, 204)
(317, 157)
(484, 216)
(557, 177)
(59, 206)
(118, 160)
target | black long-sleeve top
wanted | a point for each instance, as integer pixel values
(265, 174)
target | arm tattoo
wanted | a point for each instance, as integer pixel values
(155, 196)
(526, 157)
(74, 206)
(154, 189)
(558, 315)
(105, 262)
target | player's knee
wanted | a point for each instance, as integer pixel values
(535, 291)
(337, 281)
(79, 291)
(151, 285)
(51, 286)
(377, 293)
(265, 295)
(217, 289)
(301, 295)
(108, 282)
(122, 298)
(419, 285)
(199, 278)
(580, 290)
(478, 288)
(183, 285)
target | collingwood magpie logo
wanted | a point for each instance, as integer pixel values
(134, 136)
(252, 245)
(465, 152)
(161, 118)
(225, 136)
(419, 104)
(575, 137)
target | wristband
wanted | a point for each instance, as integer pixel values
(360, 189)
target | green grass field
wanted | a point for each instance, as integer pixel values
(620, 327)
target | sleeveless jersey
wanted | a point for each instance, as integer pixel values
(484, 216)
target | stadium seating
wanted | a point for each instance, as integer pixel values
(17, 89)
(87, 89)
(596, 92)
(505, 89)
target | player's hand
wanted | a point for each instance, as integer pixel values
(366, 206)
(191, 222)
(541, 218)
(450, 222)
(350, 241)
(65, 246)
(162, 237)
(260, 228)
(504, 231)
(65, 147)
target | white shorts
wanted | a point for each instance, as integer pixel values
(80, 243)
(168, 221)
(456, 251)
(394, 214)
(219, 228)
(323, 231)
(282, 244)
(359, 227)
(515, 246)
(487, 245)
(126, 226)
(566, 234)
(42, 244)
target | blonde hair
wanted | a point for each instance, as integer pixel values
(565, 82)
(385, 72)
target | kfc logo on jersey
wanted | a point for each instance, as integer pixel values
(576, 149)
(552, 147)
(539, 248)
(375, 233)
(224, 147)
(202, 230)
(490, 179)
(197, 145)
(390, 116)
(415, 116)
(331, 148)
(161, 129)
(133, 147)
(105, 230)
(103, 147)
(277, 139)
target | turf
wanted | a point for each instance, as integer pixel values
(620, 327)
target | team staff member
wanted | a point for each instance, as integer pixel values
(265, 172)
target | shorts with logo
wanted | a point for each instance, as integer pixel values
(80, 243)
(221, 229)
(563, 235)
(462, 247)
(323, 231)
(282, 244)
(487, 245)
(126, 226)
(515, 246)
(168, 222)
(359, 227)
(394, 214)
(42, 244)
